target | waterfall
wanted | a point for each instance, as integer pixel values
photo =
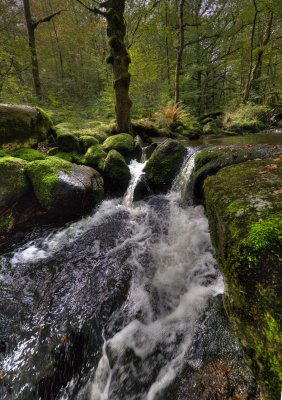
(136, 171)
(146, 339)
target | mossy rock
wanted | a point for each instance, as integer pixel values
(3, 153)
(244, 209)
(210, 160)
(87, 141)
(63, 188)
(7, 223)
(123, 143)
(22, 126)
(67, 141)
(164, 164)
(116, 173)
(29, 154)
(95, 157)
(13, 181)
(73, 156)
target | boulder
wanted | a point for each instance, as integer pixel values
(210, 160)
(164, 164)
(244, 208)
(13, 181)
(67, 141)
(95, 157)
(123, 143)
(87, 141)
(22, 126)
(116, 173)
(63, 188)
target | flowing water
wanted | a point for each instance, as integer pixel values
(109, 307)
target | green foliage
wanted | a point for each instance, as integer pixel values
(247, 117)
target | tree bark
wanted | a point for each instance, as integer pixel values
(180, 49)
(120, 60)
(32, 46)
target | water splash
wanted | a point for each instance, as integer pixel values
(136, 171)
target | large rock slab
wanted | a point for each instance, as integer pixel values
(63, 188)
(22, 126)
(244, 207)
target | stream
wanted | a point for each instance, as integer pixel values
(124, 304)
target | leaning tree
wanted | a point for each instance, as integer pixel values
(113, 12)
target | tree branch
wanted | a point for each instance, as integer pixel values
(94, 10)
(46, 19)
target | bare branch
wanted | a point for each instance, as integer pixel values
(94, 10)
(46, 19)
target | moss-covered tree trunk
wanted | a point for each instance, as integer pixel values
(120, 60)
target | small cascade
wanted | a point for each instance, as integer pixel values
(182, 181)
(136, 170)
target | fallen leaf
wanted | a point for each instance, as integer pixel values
(2, 374)
(272, 167)
(64, 339)
(278, 191)
(280, 158)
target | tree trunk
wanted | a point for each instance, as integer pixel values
(32, 46)
(180, 49)
(120, 60)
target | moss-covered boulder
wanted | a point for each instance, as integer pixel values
(244, 208)
(22, 126)
(63, 188)
(123, 143)
(87, 141)
(13, 181)
(67, 141)
(7, 222)
(116, 173)
(95, 157)
(29, 154)
(164, 164)
(210, 160)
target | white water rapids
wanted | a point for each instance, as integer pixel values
(174, 276)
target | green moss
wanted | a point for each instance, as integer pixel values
(123, 143)
(110, 59)
(116, 173)
(164, 164)
(87, 141)
(29, 154)
(95, 157)
(68, 142)
(3, 153)
(125, 78)
(115, 43)
(262, 234)
(44, 175)
(13, 182)
(7, 223)
(45, 116)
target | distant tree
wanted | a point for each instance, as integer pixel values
(31, 26)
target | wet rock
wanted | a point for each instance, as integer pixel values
(63, 188)
(244, 208)
(116, 173)
(164, 164)
(22, 126)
